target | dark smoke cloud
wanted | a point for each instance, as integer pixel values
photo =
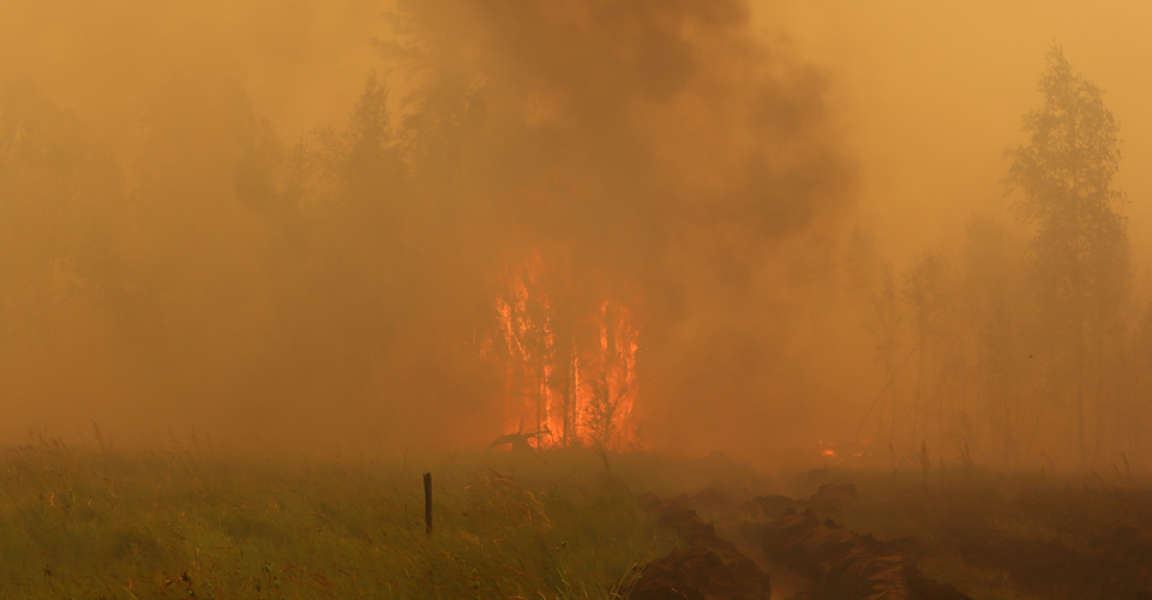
(660, 145)
(199, 268)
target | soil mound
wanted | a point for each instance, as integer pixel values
(769, 506)
(700, 574)
(710, 569)
(720, 496)
(830, 498)
(836, 492)
(846, 566)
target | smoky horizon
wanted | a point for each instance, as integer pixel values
(793, 233)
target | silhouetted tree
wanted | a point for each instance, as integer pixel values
(928, 289)
(885, 326)
(993, 290)
(61, 204)
(1080, 250)
(1135, 414)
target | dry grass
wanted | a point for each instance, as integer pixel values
(169, 524)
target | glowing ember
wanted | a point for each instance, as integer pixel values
(571, 362)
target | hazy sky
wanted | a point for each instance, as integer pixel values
(929, 93)
(921, 100)
(933, 92)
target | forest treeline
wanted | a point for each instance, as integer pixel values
(1025, 342)
(222, 265)
(202, 271)
(609, 221)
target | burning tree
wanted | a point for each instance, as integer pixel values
(570, 359)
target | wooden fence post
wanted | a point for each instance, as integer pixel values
(428, 502)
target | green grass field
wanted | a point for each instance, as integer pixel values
(174, 524)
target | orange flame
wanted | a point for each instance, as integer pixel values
(570, 364)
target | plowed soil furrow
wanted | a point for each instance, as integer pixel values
(786, 583)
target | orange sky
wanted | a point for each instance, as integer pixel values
(924, 97)
(933, 92)
(930, 93)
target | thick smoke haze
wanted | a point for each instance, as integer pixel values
(289, 226)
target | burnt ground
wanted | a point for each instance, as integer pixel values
(706, 566)
(861, 535)
(1024, 537)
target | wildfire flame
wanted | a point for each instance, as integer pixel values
(849, 450)
(570, 363)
